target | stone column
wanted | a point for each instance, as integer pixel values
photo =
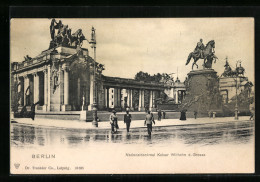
(105, 92)
(141, 100)
(131, 100)
(66, 105)
(128, 97)
(108, 97)
(49, 88)
(36, 87)
(151, 101)
(26, 84)
(20, 90)
(91, 92)
(177, 99)
(45, 90)
(61, 87)
(115, 97)
(119, 97)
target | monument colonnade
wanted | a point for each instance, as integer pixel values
(113, 97)
(36, 85)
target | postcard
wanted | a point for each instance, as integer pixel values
(132, 95)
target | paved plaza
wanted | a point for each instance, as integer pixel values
(76, 124)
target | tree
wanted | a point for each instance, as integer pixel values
(143, 76)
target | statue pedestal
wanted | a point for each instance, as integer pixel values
(202, 91)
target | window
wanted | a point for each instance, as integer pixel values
(112, 103)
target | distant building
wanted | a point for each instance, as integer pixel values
(176, 91)
(233, 82)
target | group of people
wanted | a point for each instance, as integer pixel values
(149, 120)
(114, 121)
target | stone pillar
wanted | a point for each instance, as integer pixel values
(176, 98)
(119, 97)
(21, 91)
(45, 90)
(66, 106)
(128, 97)
(36, 87)
(91, 92)
(49, 88)
(131, 100)
(151, 100)
(105, 96)
(26, 85)
(61, 87)
(141, 100)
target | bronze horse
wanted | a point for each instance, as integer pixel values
(76, 38)
(207, 54)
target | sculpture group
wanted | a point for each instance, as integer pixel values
(203, 52)
(228, 72)
(63, 36)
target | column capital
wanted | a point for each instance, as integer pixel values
(64, 67)
(45, 71)
(25, 76)
(35, 74)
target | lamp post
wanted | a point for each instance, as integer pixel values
(93, 46)
(236, 106)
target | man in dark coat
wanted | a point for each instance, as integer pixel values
(164, 114)
(195, 114)
(127, 120)
(159, 115)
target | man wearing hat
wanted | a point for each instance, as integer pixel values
(127, 119)
(149, 121)
(113, 122)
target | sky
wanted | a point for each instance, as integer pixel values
(154, 45)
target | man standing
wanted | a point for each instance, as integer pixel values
(159, 115)
(195, 114)
(149, 121)
(127, 120)
(164, 114)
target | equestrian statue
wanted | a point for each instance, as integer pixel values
(203, 52)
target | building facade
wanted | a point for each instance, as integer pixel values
(66, 78)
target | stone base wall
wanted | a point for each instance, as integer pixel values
(202, 93)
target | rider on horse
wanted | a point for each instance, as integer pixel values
(203, 52)
(199, 48)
